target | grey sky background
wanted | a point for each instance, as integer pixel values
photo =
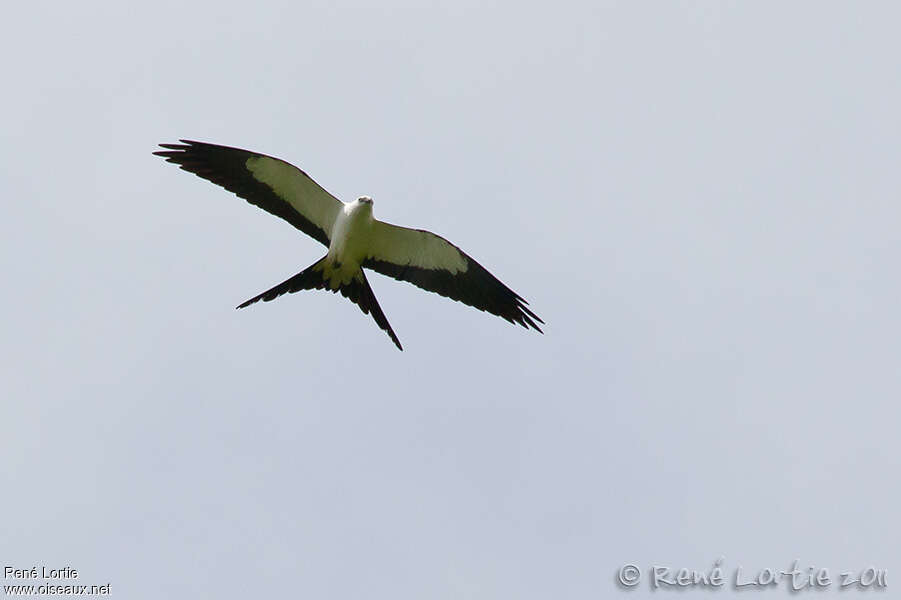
(700, 199)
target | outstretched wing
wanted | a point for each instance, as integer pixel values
(272, 184)
(434, 264)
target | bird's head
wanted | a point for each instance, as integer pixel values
(365, 200)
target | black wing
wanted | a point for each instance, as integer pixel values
(272, 184)
(434, 264)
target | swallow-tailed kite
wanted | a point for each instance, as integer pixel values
(354, 238)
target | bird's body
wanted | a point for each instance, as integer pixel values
(350, 239)
(355, 239)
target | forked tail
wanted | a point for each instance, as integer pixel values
(313, 278)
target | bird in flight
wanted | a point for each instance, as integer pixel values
(354, 238)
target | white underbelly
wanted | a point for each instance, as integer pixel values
(348, 247)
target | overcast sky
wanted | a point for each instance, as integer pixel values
(701, 200)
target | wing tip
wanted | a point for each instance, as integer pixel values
(528, 321)
(182, 147)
